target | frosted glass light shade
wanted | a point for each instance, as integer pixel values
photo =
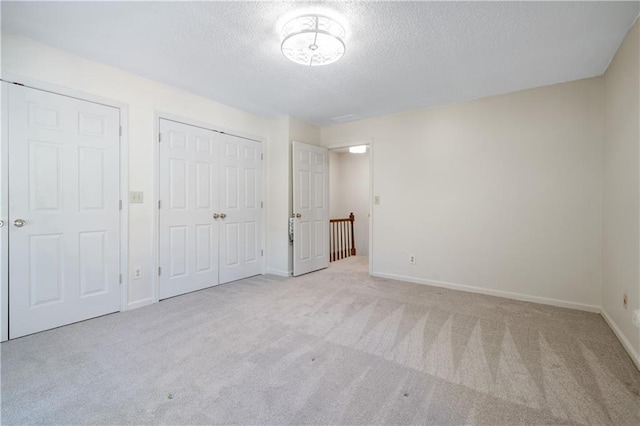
(313, 40)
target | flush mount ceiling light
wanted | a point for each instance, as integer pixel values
(360, 149)
(313, 40)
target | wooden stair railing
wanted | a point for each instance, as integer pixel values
(341, 239)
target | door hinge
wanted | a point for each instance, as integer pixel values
(261, 252)
(120, 278)
(261, 204)
(159, 271)
(159, 203)
(159, 137)
(120, 130)
(120, 204)
(262, 156)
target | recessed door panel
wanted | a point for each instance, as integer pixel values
(64, 215)
(305, 235)
(178, 140)
(43, 116)
(178, 192)
(46, 262)
(231, 179)
(321, 229)
(91, 124)
(91, 177)
(44, 176)
(231, 236)
(250, 188)
(304, 189)
(203, 185)
(92, 265)
(178, 251)
(204, 260)
(251, 239)
(319, 190)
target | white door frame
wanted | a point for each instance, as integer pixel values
(347, 144)
(124, 180)
(155, 221)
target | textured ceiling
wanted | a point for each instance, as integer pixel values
(400, 55)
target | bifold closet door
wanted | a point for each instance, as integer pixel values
(64, 215)
(188, 232)
(241, 204)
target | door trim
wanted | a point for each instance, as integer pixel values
(9, 78)
(155, 220)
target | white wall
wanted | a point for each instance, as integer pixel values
(349, 192)
(500, 195)
(621, 238)
(29, 59)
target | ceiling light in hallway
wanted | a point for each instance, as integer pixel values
(360, 149)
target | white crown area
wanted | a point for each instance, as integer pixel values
(313, 40)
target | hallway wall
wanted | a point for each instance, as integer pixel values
(349, 192)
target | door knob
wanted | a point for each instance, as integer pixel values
(1, 223)
(222, 215)
(216, 215)
(19, 223)
(298, 215)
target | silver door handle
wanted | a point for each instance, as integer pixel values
(1, 223)
(216, 215)
(222, 215)
(19, 223)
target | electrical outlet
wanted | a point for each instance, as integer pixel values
(412, 259)
(137, 273)
(625, 300)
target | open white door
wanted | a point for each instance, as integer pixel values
(310, 208)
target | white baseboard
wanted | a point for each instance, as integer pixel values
(139, 304)
(635, 357)
(279, 272)
(491, 292)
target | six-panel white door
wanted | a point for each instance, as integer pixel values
(240, 208)
(188, 232)
(211, 208)
(64, 215)
(310, 208)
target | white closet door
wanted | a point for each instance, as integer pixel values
(240, 208)
(188, 237)
(310, 208)
(64, 215)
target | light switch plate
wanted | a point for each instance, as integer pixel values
(376, 200)
(636, 318)
(136, 197)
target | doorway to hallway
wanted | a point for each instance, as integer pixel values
(349, 193)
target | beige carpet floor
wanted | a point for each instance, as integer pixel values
(332, 347)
